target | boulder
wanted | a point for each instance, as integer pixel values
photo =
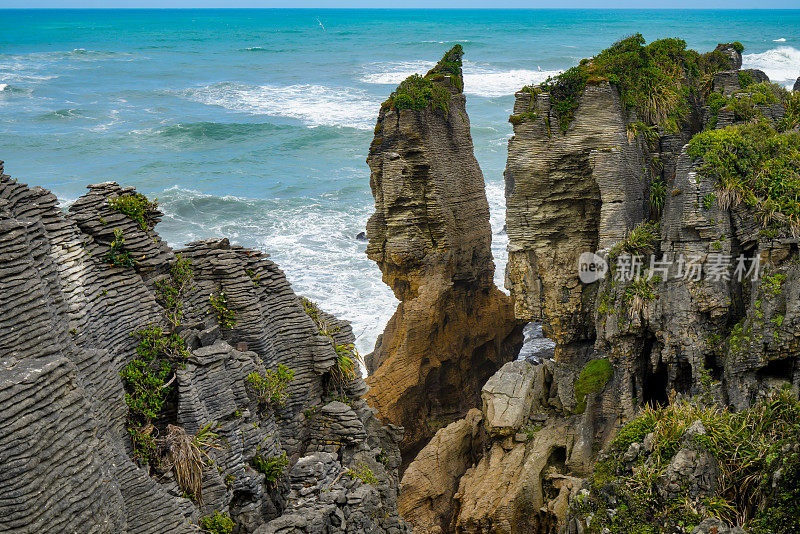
(507, 397)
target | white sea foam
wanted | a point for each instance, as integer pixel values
(781, 64)
(781, 40)
(495, 194)
(3, 86)
(488, 82)
(479, 80)
(314, 105)
(311, 239)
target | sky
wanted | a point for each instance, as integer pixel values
(605, 4)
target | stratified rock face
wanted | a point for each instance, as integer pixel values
(618, 347)
(431, 237)
(431, 480)
(67, 322)
(565, 195)
(510, 467)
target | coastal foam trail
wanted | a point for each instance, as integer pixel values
(479, 80)
(314, 105)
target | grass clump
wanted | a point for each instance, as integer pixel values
(748, 446)
(657, 197)
(137, 207)
(226, 317)
(118, 254)
(219, 523)
(272, 387)
(171, 291)
(188, 456)
(639, 241)
(593, 378)
(363, 473)
(418, 92)
(754, 164)
(272, 468)
(345, 368)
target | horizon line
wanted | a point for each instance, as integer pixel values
(176, 8)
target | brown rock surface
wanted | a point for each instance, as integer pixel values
(431, 237)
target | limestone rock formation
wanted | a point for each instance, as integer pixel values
(76, 288)
(431, 237)
(565, 195)
(473, 478)
(613, 181)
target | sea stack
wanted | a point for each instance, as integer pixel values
(430, 235)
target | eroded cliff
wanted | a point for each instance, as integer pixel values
(659, 160)
(430, 236)
(139, 391)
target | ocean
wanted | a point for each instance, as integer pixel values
(255, 124)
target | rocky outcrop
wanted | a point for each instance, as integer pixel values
(430, 236)
(593, 187)
(565, 195)
(498, 471)
(70, 318)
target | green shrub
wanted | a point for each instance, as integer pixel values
(136, 206)
(145, 381)
(748, 447)
(219, 304)
(593, 378)
(219, 523)
(272, 387)
(652, 79)
(155, 343)
(145, 447)
(364, 474)
(272, 468)
(755, 164)
(745, 79)
(522, 117)
(418, 92)
(118, 255)
(170, 293)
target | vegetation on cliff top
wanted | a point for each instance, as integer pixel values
(652, 79)
(137, 207)
(417, 92)
(757, 455)
(752, 99)
(755, 164)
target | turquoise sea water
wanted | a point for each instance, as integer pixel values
(255, 124)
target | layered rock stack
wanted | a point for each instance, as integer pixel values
(69, 324)
(591, 186)
(430, 236)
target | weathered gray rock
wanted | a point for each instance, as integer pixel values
(507, 397)
(66, 333)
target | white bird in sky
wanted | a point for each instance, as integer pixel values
(323, 26)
